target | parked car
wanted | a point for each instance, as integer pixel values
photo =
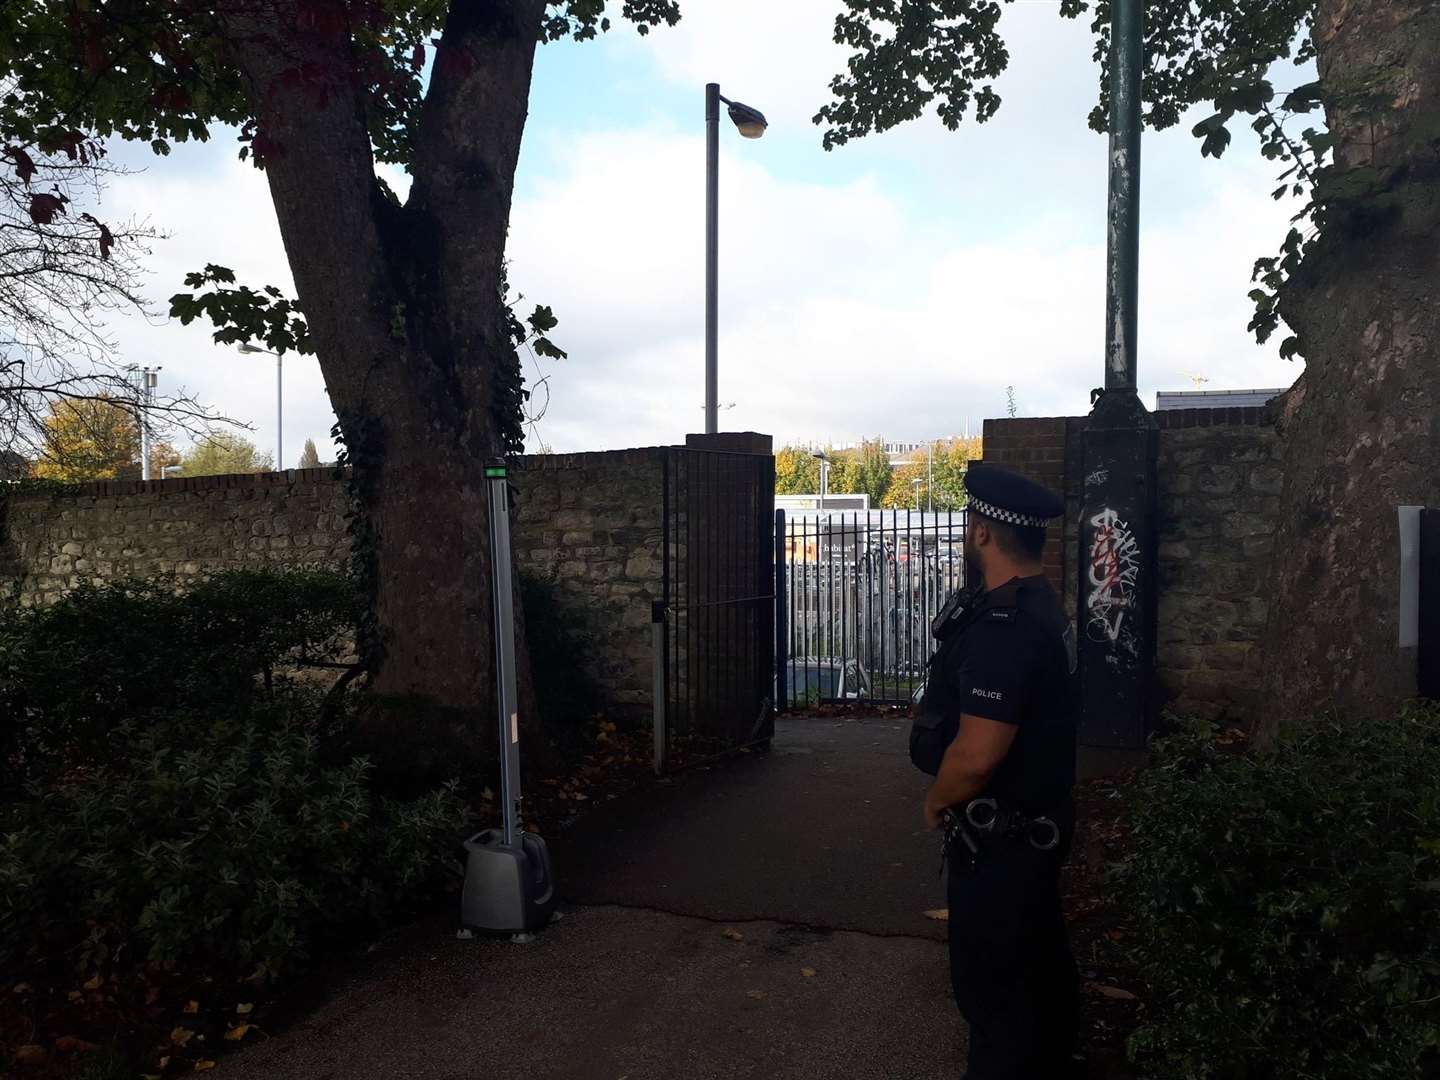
(812, 679)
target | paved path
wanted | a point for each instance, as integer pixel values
(812, 854)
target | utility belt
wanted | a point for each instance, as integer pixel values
(986, 824)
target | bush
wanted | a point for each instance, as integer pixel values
(120, 652)
(1288, 904)
(228, 844)
(555, 634)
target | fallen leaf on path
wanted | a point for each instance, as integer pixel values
(237, 1033)
(69, 1044)
(1114, 992)
(733, 934)
(204, 1064)
(809, 973)
(93, 984)
(758, 995)
(32, 1054)
(181, 1035)
(191, 1008)
(22, 988)
(938, 914)
(244, 1010)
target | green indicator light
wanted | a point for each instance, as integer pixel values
(494, 474)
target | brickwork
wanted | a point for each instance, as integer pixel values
(1219, 484)
(1035, 447)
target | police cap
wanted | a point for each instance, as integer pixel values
(1002, 495)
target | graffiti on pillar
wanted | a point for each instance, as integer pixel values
(1114, 573)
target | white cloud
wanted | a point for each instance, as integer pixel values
(854, 298)
(217, 209)
(845, 312)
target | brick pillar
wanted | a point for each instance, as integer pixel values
(1035, 447)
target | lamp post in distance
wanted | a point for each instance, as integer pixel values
(916, 485)
(824, 459)
(148, 381)
(751, 124)
(252, 350)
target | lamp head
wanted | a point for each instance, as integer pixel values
(750, 122)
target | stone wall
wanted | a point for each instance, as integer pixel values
(1219, 484)
(591, 523)
(189, 526)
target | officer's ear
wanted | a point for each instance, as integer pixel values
(981, 528)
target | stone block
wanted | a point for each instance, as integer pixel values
(1217, 479)
(1268, 479)
(1238, 526)
(1174, 549)
(72, 548)
(1257, 547)
(1227, 656)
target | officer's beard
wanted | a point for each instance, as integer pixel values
(972, 556)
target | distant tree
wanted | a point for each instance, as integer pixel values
(309, 457)
(1011, 409)
(162, 456)
(951, 458)
(797, 471)
(88, 439)
(873, 474)
(901, 495)
(225, 454)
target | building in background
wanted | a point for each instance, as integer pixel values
(1166, 400)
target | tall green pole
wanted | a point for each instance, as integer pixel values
(1122, 262)
(1118, 535)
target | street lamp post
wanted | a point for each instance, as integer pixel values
(148, 381)
(916, 485)
(279, 399)
(824, 459)
(751, 124)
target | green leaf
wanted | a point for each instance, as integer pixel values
(543, 346)
(543, 320)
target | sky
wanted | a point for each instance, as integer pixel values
(895, 286)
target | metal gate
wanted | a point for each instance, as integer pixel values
(857, 593)
(717, 635)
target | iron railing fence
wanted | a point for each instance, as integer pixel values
(858, 595)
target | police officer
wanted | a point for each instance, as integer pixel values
(997, 727)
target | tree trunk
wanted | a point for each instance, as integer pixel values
(1360, 429)
(406, 310)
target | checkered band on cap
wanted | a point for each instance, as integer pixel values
(1010, 517)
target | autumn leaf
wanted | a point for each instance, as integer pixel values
(237, 1033)
(191, 1008)
(24, 164)
(204, 1065)
(107, 238)
(181, 1035)
(94, 983)
(1114, 992)
(245, 1009)
(32, 1054)
(758, 995)
(733, 934)
(938, 914)
(808, 972)
(44, 207)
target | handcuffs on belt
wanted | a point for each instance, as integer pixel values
(986, 818)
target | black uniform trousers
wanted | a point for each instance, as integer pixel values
(1015, 979)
